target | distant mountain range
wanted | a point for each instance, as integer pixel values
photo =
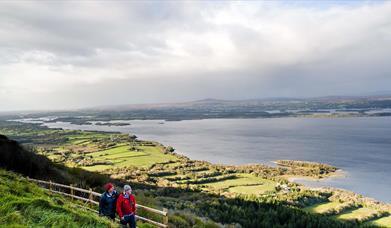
(278, 103)
(215, 108)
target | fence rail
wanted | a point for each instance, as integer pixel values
(89, 195)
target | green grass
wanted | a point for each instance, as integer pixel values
(382, 222)
(23, 204)
(253, 190)
(80, 135)
(245, 184)
(80, 142)
(121, 156)
(362, 214)
(115, 152)
(323, 207)
(358, 214)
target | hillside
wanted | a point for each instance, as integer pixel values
(23, 204)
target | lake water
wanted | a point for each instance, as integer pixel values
(361, 147)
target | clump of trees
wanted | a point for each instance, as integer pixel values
(169, 149)
(243, 211)
(341, 208)
(307, 168)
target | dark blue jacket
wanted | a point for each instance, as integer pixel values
(107, 204)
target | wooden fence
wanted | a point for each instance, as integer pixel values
(89, 196)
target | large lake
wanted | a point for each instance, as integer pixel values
(361, 147)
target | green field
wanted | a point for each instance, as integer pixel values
(253, 190)
(244, 184)
(357, 214)
(121, 156)
(368, 215)
(322, 208)
(382, 222)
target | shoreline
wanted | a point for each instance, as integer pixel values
(119, 121)
(339, 173)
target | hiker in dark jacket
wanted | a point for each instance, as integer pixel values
(108, 202)
(126, 207)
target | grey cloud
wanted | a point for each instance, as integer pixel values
(175, 51)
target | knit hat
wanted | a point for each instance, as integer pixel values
(108, 186)
(127, 188)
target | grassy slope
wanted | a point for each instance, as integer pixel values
(364, 214)
(245, 184)
(382, 222)
(23, 204)
(322, 208)
(361, 214)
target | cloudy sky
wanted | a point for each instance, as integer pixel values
(58, 55)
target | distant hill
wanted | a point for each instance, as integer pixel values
(266, 103)
(215, 108)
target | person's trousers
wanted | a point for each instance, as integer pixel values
(129, 219)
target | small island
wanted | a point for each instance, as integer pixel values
(307, 168)
(118, 124)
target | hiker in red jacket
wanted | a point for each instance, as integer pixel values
(126, 207)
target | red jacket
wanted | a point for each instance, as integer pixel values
(126, 205)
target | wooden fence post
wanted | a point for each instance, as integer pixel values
(50, 185)
(165, 218)
(90, 195)
(72, 190)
